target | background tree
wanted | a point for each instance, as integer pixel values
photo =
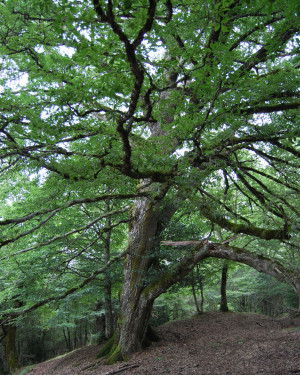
(157, 105)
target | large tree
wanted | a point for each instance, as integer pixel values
(171, 107)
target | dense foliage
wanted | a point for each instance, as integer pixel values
(181, 116)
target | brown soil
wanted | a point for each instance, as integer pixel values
(212, 344)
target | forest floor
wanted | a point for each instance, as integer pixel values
(211, 344)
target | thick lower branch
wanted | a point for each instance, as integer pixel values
(205, 250)
(187, 263)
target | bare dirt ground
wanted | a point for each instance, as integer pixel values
(212, 344)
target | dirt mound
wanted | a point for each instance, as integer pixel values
(212, 344)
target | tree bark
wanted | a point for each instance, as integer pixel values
(200, 280)
(135, 306)
(223, 302)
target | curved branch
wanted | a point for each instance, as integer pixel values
(23, 234)
(280, 39)
(148, 24)
(259, 262)
(291, 150)
(273, 194)
(205, 249)
(183, 267)
(263, 199)
(219, 203)
(270, 158)
(244, 36)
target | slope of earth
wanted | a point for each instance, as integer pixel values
(211, 344)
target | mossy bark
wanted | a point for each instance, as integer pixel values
(107, 347)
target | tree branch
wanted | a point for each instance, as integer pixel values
(252, 230)
(205, 249)
(269, 108)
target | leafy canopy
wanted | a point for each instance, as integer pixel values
(95, 96)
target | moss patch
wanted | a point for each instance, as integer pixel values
(111, 352)
(114, 356)
(107, 348)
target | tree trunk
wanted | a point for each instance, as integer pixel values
(223, 302)
(10, 343)
(135, 307)
(197, 280)
(200, 280)
(138, 294)
(135, 300)
(11, 351)
(109, 320)
(195, 294)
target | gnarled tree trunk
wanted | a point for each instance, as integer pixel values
(135, 306)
